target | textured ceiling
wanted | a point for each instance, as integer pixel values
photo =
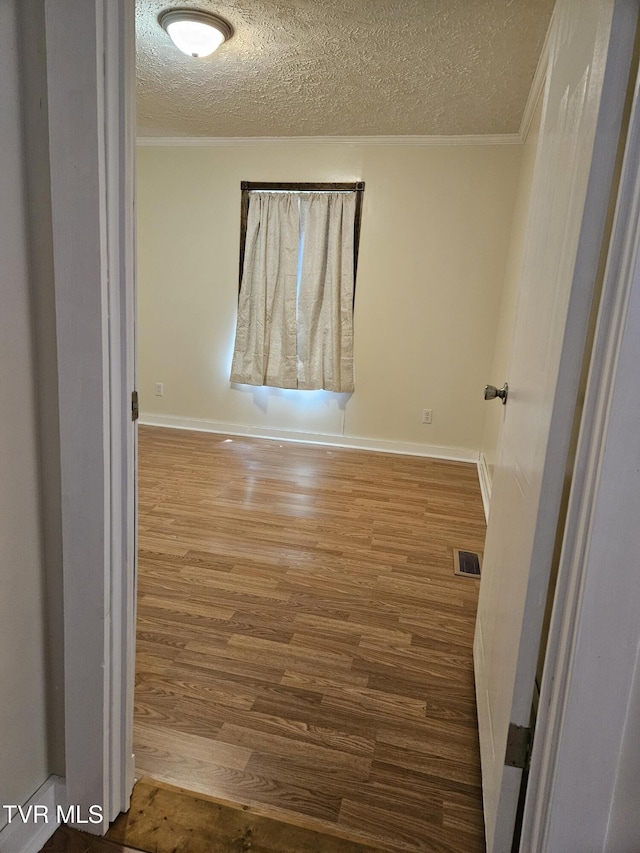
(344, 68)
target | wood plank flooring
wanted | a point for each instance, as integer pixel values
(304, 647)
(165, 819)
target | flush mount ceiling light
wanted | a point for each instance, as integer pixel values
(194, 32)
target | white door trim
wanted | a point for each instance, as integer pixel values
(120, 145)
(90, 62)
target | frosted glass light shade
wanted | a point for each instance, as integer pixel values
(195, 33)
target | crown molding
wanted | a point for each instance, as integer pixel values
(537, 87)
(236, 141)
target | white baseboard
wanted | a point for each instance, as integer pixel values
(453, 454)
(485, 483)
(30, 836)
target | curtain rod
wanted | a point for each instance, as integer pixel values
(303, 192)
(274, 186)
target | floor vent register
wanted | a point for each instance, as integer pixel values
(468, 564)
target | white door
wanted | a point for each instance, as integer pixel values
(584, 93)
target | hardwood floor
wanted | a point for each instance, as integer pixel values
(304, 647)
(165, 819)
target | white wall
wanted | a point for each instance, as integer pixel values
(435, 234)
(23, 723)
(499, 371)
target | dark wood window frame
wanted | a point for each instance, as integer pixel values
(248, 187)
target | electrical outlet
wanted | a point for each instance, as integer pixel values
(159, 389)
(427, 415)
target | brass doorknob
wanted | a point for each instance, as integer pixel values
(491, 392)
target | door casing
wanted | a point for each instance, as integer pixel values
(91, 103)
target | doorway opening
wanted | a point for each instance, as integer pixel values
(369, 661)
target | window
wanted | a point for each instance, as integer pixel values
(298, 262)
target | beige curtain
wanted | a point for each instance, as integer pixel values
(325, 299)
(295, 316)
(266, 350)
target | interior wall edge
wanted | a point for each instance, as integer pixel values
(537, 86)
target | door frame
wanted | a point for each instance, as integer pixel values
(91, 120)
(91, 112)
